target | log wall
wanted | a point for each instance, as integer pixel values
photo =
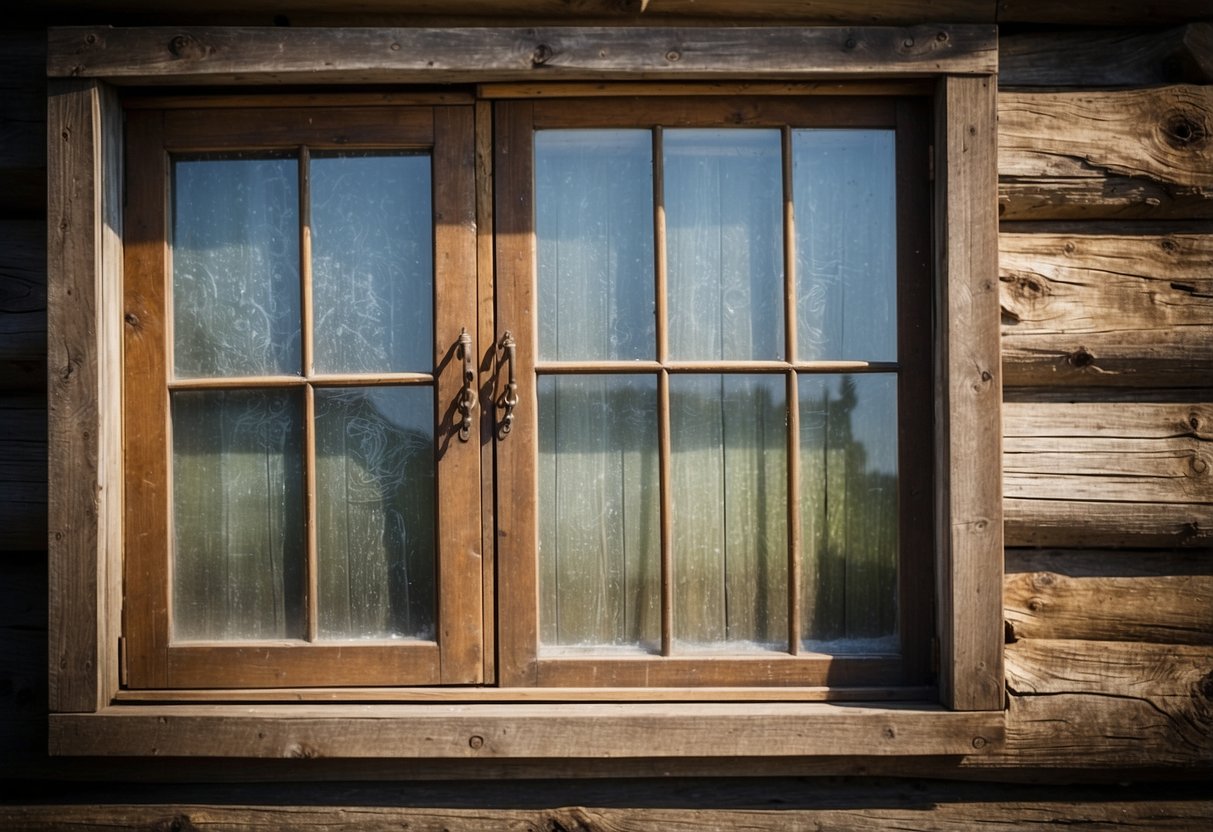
(1106, 201)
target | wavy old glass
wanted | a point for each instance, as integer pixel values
(238, 515)
(235, 244)
(375, 512)
(372, 263)
(594, 229)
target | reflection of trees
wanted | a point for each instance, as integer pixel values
(729, 479)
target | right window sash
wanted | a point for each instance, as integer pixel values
(720, 468)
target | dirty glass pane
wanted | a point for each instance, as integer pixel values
(599, 507)
(372, 262)
(238, 547)
(724, 230)
(848, 484)
(375, 512)
(235, 264)
(843, 189)
(594, 231)
(729, 488)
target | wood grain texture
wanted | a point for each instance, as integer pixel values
(320, 55)
(1107, 310)
(1145, 453)
(1105, 12)
(1081, 58)
(1094, 154)
(22, 93)
(1095, 523)
(23, 305)
(574, 730)
(23, 473)
(968, 476)
(1165, 597)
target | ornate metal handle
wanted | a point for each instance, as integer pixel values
(509, 399)
(467, 396)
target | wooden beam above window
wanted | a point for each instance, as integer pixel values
(216, 55)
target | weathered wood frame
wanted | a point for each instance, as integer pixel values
(85, 314)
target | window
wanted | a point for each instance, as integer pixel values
(707, 203)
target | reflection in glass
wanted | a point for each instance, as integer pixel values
(729, 489)
(843, 187)
(724, 218)
(594, 230)
(599, 506)
(848, 483)
(235, 267)
(237, 483)
(375, 512)
(372, 263)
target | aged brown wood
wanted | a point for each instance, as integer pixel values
(1082, 59)
(575, 730)
(83, 190)
(1107, 309)
(1158, 672)
(1160, 596)
(969, 491)
(575, 89)
(1078, 523)
(1157, 453)
(486, 300)
(319, 55)
(1092, 154)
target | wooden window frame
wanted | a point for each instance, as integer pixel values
(85, 318)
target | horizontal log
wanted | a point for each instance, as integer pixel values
(1107, 705)
(319, 55)
(1164, 597)
(23, 473)
(1107, 57)
(1129, 154)
(1080, 523)
(1106, 309)
(1131, 453)
(22, 98)
(22, 305)
(906, 809)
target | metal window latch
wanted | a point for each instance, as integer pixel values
(509, 399)
(467, 396)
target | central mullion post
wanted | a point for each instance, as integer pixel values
(663, 397)
(793, 403)
(309, 391)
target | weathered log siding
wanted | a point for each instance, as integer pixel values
(1107, 292)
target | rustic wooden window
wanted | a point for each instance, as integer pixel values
(154, 435)
(723, 445)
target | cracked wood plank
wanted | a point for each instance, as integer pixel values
(1107, 309)
(1091, 154)
(1164, 596)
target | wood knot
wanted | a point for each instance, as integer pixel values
(1194, 422)
(301, 751)
(1080, 358)
(1169, 246)
(541, 55)
(1198, 464)
(1182, 130)
(186, 47)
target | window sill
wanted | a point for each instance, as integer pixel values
(527, 731)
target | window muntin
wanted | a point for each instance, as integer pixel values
(670, 540)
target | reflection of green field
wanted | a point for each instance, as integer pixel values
(599, 507)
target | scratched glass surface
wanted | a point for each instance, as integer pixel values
(375, 504)
(728, 483)
(594, 231)
(849, 529)
(235, 256)
(372, 262)
(724, 221)
(599, 506)
(238, 547)
(844, 192)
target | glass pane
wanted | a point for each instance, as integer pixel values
(594, 226)
(235, 266)
(372, 263)
(238, 556)
(729, 489)
(724, 231)
(375, 512)
(848, 484)
(599, 507)
(843, 187)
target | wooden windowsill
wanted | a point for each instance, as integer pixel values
(531, 731)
